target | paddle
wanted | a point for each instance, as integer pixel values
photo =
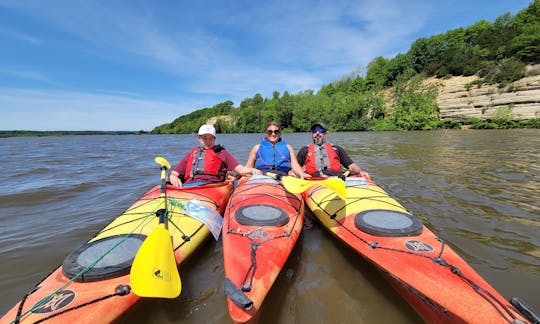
(297, 185)
(154, 272)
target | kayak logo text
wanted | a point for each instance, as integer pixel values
(57, 301)
(418, 246)
(258, 233)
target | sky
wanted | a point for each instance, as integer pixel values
(134, 65)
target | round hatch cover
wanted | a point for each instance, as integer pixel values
(384, 222)
(261, 215)
(118, 253)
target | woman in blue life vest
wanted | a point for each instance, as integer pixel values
(274, 155)
(322, 159)
(207, 163)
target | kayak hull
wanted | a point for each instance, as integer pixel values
(255, 250)
(433, 279)
(98, 298)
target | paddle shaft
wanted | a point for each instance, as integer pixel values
(163, 212)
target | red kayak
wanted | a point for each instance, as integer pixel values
(433, 279)
(261, 225)
(93, 283)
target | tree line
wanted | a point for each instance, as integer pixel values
(391, 94)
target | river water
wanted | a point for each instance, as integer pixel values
(479, 190)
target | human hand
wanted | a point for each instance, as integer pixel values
(254, 171)
(175, 181)
(354, 169)
(232, 176)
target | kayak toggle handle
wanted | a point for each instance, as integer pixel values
(161, 213)
(123, 290)
(441, 261)
(525, 309)
(236, 295)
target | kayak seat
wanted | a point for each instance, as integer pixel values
(383, 222)
(261, 215)
(117, 253)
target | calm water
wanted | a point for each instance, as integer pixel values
(479, 190)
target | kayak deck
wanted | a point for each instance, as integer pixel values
(260, 228)
(93, 284)
(435, 281)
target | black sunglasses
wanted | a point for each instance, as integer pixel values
(270, 132)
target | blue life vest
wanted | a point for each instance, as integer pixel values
(274, 158)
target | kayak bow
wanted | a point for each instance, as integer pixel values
(431, 277)
(260, 228)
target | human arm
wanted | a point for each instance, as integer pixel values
(178, 172)
(301, 156)
(233, 165)
(347, 161)
(252, 156)
(241, 169)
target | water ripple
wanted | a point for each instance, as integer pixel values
(478, 190)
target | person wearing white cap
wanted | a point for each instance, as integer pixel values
(207, 163)
(321, 159)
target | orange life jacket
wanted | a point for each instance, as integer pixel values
(321, 158)
(203, 161)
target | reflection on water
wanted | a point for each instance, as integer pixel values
(479, 190)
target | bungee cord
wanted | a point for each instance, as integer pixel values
(505, 312)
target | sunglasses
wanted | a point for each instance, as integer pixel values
(318, 130)
(270, 132)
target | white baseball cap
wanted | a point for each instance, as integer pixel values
(207, 129)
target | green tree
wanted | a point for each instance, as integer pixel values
(415, 105)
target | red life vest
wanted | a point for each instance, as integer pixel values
(205, 162)
(321, 158)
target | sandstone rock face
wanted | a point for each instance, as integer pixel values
(458, 100)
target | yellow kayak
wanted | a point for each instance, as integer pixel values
(433, 279)
(93, 283)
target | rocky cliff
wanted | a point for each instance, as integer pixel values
(459, 99)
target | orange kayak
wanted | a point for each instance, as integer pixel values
(93, 283)
(433, 279)
(260, 228)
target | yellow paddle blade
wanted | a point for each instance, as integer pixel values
(162, 162)
(336, 184)
(154, 272)
(296, 185)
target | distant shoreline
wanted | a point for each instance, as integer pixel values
(26, 133)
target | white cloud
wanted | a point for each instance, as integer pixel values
(202, 52)
(279, 33)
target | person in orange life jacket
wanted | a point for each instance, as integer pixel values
(321, 159)
(207, 163)
(274, 155)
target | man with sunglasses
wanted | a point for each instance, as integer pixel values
(322, 159)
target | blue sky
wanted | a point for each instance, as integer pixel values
(134, 65)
